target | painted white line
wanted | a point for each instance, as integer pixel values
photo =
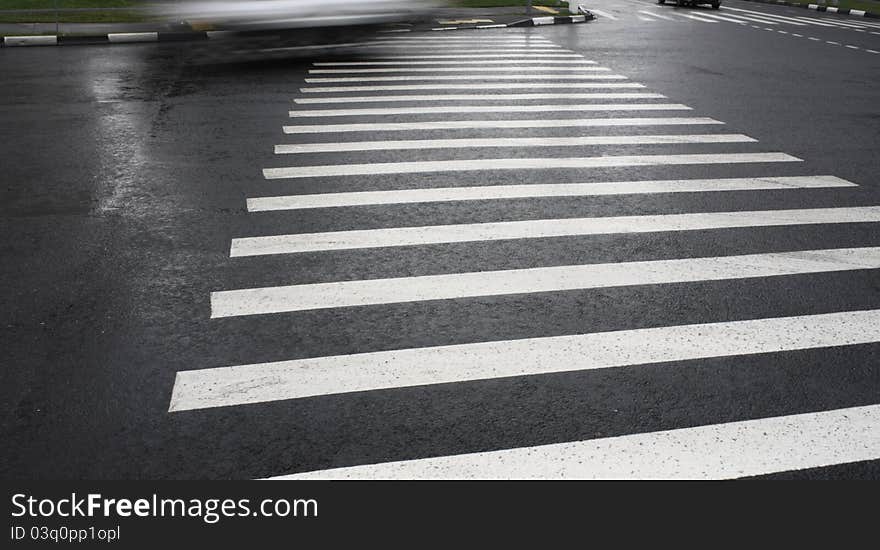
(832, 42)
(797, 35)
(852, 47)
(857, 13)
(605, 14)
(810, 21)
(525, 54)
(359, 293)
(471, 143)
(655, 14)
(762, 17)
(502, 38)
(133, 37)
(872, 51)
(266, 382)
(695, 18)
(573, 66)
(382, 111)
(723, 18)
(646, 19)
(446, 43)
(815, 39)
(496, 192)
(519, 61)
(478, 78)
(470, 124)
(476, 97)
(385, 51)
(541, 163)
(538, 229)
(782, 32)
(483, 86)
(719, 451)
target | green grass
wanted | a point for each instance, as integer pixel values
(866, 5)
(116, 16)
(51, 4)
(117, 13)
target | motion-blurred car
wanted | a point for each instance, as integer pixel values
(293, 24)
(714, 3)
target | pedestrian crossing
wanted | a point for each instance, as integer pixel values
(416, 158)
(643, 11)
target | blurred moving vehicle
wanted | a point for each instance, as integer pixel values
(714, 3)
(294, 24)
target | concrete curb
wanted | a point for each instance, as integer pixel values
(110, 38)
(817, 7)
(554, 20)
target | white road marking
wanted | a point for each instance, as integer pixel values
(487, 109)
(479, 78)
(300, 378)
(476, 97)
(852, 47)
(810, 21)
(481, 62)
(541, 163)
(655, 14)
(484, 124)
(542, 228)
(647, 19)
(719, 451)
(872, 51)
(832, 42)
(523, 54)
(495, 192)
(358, 293)
(384, 51)
(483, 86)
(470, 143)
(815, 39)
(601, 13)
(761, 17)
(574, 66)
(798, 35)
(723, 18)
(695, 18)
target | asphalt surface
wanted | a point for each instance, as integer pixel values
(125, 175)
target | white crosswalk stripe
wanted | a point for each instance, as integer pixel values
(721, 451)
(467, 109)
(499, 124)
(476, 97)
(467, 143)
(474, 77)
(494, 192)
(236, 385)
(256, 301)
(447, 86)
(369, 198)
(536, 229)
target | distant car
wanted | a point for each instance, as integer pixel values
(714, 3)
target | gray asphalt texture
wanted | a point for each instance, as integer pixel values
(124, 177)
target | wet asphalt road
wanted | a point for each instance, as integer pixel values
(124, 178)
